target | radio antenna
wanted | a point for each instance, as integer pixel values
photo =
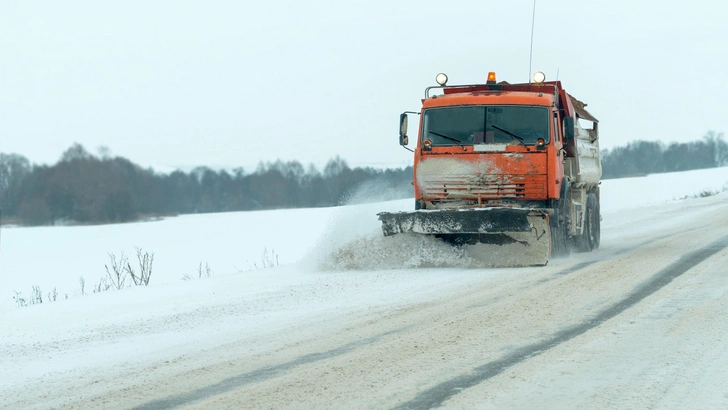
(530, 55)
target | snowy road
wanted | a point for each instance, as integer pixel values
(639, 323)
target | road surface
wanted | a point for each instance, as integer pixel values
(641, 323)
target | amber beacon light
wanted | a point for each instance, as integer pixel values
(491, 77)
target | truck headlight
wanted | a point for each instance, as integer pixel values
(539, 77)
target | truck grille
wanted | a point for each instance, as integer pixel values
(488, 187)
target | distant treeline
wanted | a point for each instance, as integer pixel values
(650, 157)
(84, 188)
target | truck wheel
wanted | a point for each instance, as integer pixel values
(559, 242)
(589, 240)
(597, 220)
(594, 223)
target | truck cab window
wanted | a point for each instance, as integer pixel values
(468, 125)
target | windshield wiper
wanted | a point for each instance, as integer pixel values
(519, 139)
(460, 143)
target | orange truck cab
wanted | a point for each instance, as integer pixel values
(495, 159)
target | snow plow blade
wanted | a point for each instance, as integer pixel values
(525, 232)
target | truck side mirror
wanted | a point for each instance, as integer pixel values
(403, 139)
(569, 128)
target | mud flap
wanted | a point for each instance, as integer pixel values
(524, 231)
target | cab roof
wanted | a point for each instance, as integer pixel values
(504, 93)
(488, 98)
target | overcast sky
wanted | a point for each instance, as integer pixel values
(175, 84)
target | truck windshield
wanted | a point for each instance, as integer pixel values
(481, 124)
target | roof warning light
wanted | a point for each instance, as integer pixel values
(539, 77)
(491, 77)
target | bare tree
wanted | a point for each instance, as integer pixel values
(13, 170)
(270, 258)
(52, 296)
(19, 299)
(204, 272)
(103, 286)
(36, 297)
(146, 260)
(117, 273)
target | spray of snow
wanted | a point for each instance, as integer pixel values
(353, 240)
(394, 252)
(375, 191)
(406, 251)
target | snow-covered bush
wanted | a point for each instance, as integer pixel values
(202, 272)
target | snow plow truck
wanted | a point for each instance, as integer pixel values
(513, 165)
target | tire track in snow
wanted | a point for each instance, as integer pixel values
(618, 252)
(264, 373)
(583, 265)
(437, 395)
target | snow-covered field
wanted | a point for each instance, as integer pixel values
(337, 277)
(56, 257)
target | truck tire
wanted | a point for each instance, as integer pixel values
(589, 241)
(597, 221)
(560, 245)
